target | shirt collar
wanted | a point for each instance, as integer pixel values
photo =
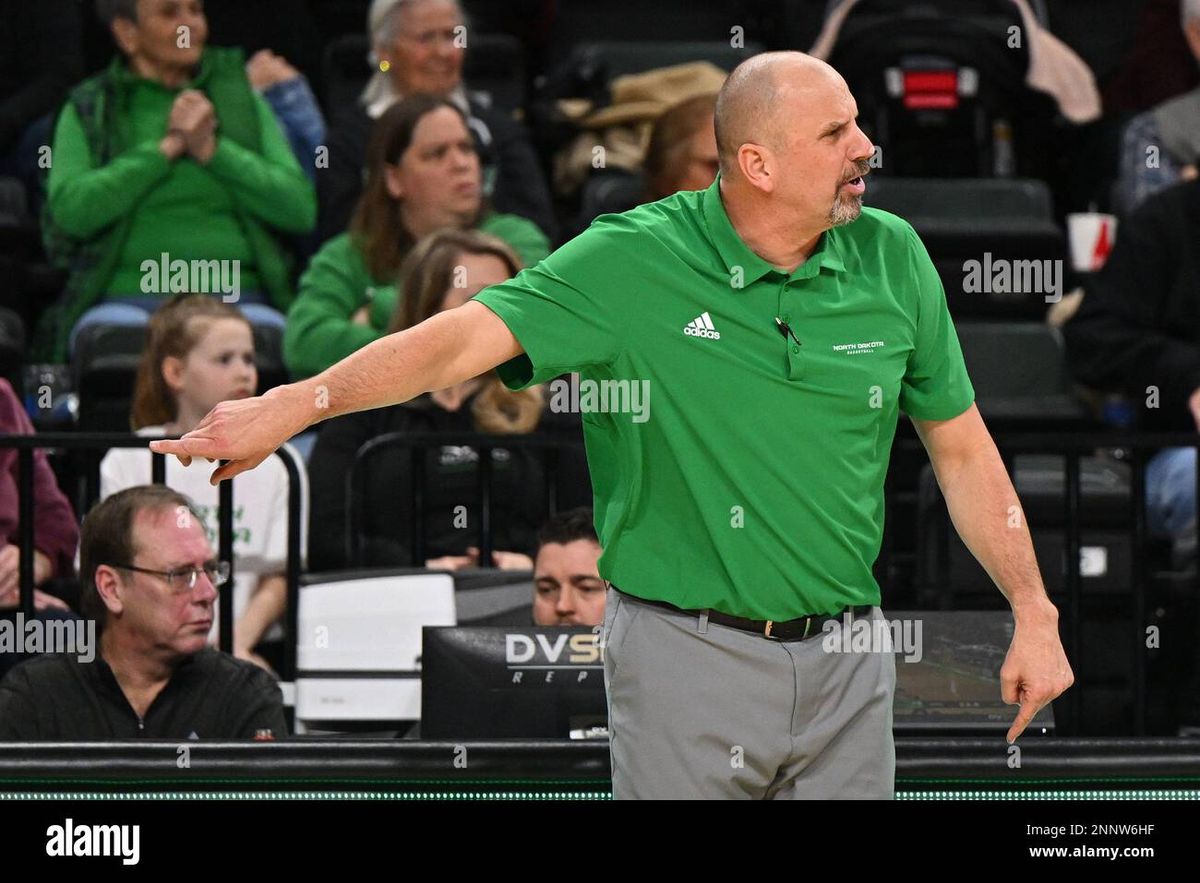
(735, 253)
(101, 669)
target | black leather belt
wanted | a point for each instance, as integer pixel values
(792, 630)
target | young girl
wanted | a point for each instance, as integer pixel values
(200, 352)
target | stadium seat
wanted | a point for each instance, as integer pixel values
(611, 191)
(991, 200)
(345, 73)
(29, 284)
(986, 221)
(1019, 371)
(495, 65)
(949, 576)
(383, 514)
(607, 60)
(104, 365)
(665, 21)
(937, 83)
(13, 208)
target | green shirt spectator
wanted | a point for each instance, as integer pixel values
(423, 175)
(337, 285)
(185, 162)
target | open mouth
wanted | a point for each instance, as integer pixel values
(856, 185)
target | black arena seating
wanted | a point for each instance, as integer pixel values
(985, 220)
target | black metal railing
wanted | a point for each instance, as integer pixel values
(1074, 447)
(101, 441)
(417, 444)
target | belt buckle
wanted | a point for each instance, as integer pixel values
(770, 623)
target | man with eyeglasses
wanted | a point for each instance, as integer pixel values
(150, 582)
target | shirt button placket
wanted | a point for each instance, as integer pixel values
(794, 356)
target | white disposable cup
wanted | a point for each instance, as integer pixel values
(1091, 235)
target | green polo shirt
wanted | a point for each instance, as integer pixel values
(752, 483)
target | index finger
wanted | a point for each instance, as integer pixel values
(183, 448)
(177, 450)
(1029, 708)
(168, 446)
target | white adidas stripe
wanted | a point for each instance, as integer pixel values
(707, 321)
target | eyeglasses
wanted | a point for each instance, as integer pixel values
(183, 579)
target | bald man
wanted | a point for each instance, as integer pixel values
(744, 354)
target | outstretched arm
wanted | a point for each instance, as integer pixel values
(444, 350)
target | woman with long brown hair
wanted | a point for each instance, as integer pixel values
(416, 49)
(443, 272)
(423, 175)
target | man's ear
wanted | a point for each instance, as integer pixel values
(109, 588)
(172, 372)
(125, 32)
(757, 165)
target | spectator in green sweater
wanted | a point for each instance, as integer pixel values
(423, 175)
(169, 174)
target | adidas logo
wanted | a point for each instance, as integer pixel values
(702, 326)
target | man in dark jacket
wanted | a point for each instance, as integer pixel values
(150, 583)
(1138, 332)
